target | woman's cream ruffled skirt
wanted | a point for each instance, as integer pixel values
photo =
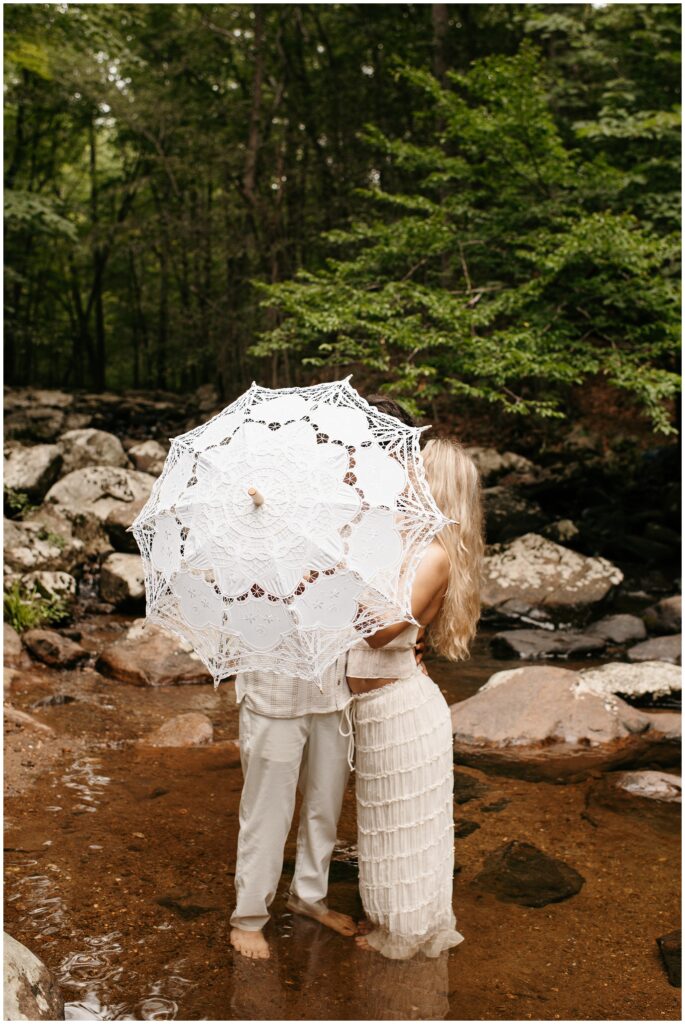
(405, 817)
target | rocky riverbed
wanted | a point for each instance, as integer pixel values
(122, 773)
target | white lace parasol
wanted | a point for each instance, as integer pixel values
(285, 529)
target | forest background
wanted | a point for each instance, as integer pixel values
(470, 206)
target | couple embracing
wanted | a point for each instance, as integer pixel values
(294, 735)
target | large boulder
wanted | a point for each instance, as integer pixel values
(651, 682)
(32, 547)
(534, 573)
(538, 723)
(190, 730)
(508, 514)
(665, 616)
(99, 489)
(122, 580)
(545, 643)
(91, 447)
(30, 991)
(31, 470)
(148, 456)
(150, 656)
(659, 648)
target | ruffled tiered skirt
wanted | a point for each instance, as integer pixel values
(405, 817)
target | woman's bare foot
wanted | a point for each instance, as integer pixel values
(362, 942)
(341, 923)
(253, 945)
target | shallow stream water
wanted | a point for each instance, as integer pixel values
(119, 873)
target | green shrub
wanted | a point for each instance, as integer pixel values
(17, 504)
(28, 609)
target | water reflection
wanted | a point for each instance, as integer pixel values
(302, 980)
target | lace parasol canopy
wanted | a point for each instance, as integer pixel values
(286, 528)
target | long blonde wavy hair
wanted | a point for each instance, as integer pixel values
(453, 479)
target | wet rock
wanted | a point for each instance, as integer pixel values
(54, 649)
(660, 648)
(31, 470)
(651, 682)
(618, 629)
(30, 990)
(463, 828)
(20, 718)
(561, 532)
(521, 873)
(665, 616)
(185, 906)
(148, 456)
(492, 464)
(498, 805)
(55, 700)
(149, 656)
(91, 447)
(99, 489)
(122, 580)
(508, 514)
(536, 572)
(190, 730)
(537, 723)
(670, 947)
(118, 522)
(544, 643)
(14, 654)
(652, 796)
(31, 547)
(467, 787)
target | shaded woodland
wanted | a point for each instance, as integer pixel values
(480, 201)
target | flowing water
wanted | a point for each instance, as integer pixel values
(119, 867)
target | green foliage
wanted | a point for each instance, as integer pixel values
(491, 210)
(50, 537)
(17, 504)
(511, 271)
(26, 608)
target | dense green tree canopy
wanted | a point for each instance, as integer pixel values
(479, 200)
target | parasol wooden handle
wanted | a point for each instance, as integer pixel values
(256, 496)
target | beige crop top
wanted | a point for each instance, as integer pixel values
(394, 661)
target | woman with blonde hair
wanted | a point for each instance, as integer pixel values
(404, 734)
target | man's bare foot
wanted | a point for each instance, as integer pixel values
(252, 945)
(341, 923)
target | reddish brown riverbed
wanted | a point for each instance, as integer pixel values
(119, 874)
